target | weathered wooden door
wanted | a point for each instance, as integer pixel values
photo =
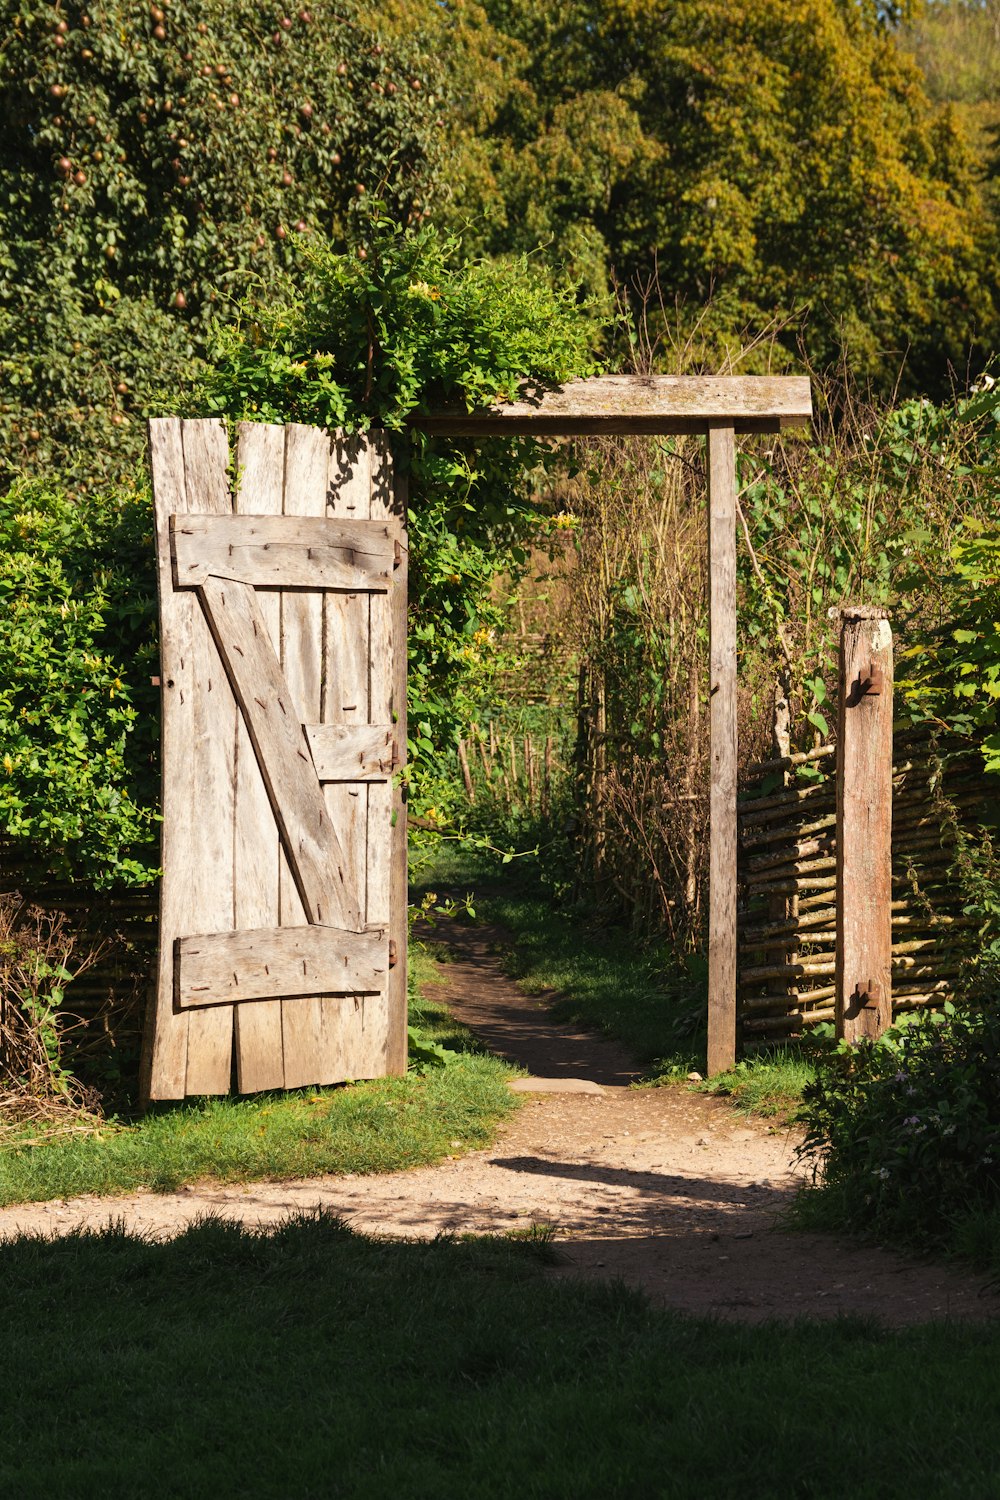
(283, 671)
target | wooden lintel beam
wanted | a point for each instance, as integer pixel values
(665, 404)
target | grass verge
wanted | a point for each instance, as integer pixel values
(380, 1126)
(313, 1362)
(971, 1238)
(770, 1084)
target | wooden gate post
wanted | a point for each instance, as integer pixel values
(722, 793)
(864, 825)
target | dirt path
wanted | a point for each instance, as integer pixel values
(665, 1188)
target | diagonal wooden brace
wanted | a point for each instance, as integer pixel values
(322, 874)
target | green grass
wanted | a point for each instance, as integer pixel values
(315, 1363)
(769, 1085)
(970, 1239)
(380, 1126)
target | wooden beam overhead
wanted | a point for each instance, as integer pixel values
(636, 404)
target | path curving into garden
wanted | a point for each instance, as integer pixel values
(667, 1189)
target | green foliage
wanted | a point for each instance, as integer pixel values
(957, 45)
(952, 675)
(35, 950)
(774, 155)
(906, 1131)
(357, 343)
(152, 162)
(77, 714)
(424, 1053)
(78, 718)
(949, 577)
(871, 512)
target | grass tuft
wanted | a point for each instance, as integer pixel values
(769, 1085)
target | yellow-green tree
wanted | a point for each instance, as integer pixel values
(777, 156)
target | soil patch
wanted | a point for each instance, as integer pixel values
(665, 1188)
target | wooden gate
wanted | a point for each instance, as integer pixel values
(283, 671)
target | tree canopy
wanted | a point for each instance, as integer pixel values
(774, 159)
(780, 157)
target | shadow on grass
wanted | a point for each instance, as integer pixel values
(314, 1363)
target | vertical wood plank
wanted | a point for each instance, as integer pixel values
(165, 1038)
(389, 498)
(864, 826)
(307, 467)
(208, 896)
(260, 458)
(721, 468)
(347, 700)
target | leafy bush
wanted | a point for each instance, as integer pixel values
(949, 672)
(906, 1131)
(357, 343)
(151, 162)
(78, 718)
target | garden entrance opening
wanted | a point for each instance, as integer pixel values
(283, 640)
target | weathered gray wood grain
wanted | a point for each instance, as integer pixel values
(722, 789)
(251, 770)
(353, 752)
(389, 816)
(260, 462)
(255, 965)
(281, 552)
(164, 1062)
(346, 705)
(307, 472)
(864, 829)
(211, 775)
(638, 404)
(328, 894)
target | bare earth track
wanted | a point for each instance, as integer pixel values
(664, 1188)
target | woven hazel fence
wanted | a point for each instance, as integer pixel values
(787, 925)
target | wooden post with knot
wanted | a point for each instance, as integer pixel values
(864, 825)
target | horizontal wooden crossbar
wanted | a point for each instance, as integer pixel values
(353, 752)
(226, 968)
(636, 404)
(307, 552)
